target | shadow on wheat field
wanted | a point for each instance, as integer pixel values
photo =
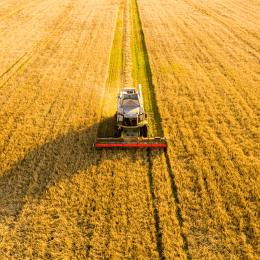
(47, 165)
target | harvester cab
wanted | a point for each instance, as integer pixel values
(131, 119)
(132, 123)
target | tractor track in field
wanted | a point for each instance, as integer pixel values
(18, 10)
(39, 46)
(129, 65)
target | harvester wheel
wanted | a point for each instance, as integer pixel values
(144, 131)
(118, 132)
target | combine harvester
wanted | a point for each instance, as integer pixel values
(132, 124)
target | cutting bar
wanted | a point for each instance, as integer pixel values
(156, 142)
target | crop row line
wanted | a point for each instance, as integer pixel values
(18, 10)
(26, 57)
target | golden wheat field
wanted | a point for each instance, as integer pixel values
(63, 63)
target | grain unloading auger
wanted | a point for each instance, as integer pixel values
(132, 124)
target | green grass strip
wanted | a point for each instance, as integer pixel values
(116, 64)
(141, 73)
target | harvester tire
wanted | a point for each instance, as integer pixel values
(118, 132)
(144, 131)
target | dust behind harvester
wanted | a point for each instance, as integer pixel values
(132, 124)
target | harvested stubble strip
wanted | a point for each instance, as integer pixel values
(209, 109)
(114, 76)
